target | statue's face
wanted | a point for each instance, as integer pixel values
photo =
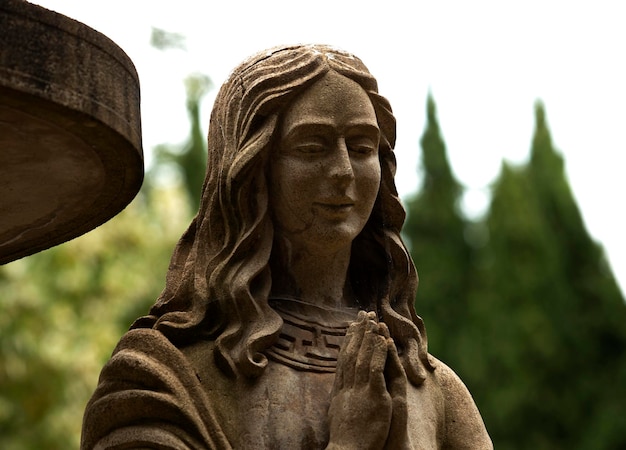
(325, 172)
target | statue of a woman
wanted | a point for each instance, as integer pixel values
(286, 321)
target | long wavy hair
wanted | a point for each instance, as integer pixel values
(219, 278)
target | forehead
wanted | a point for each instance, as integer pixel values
(334, 101)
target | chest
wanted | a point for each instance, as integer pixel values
(288, 409)
(285, 409)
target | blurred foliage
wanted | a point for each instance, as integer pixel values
(537, 329)
(187, 161)
(63, 311)
(166, 40)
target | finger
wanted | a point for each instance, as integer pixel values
(350, 349)
(398, 428)
(397, 382)
(384, 330)
(395, 376)
(383, 335)
(377, 365)
(339, 373)
(370, 350)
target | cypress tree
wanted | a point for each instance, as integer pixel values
(551, 315)
(188, 160)
(192, 160)
(435, 232)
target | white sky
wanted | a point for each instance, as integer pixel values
(486, 62)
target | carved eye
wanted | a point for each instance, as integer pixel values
(310, 145)
(362, 146)
(310, 148)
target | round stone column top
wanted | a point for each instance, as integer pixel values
(70, 129)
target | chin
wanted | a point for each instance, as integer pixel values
(338, 237)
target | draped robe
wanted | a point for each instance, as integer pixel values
(152, 394)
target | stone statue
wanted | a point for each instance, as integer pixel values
(286, 321)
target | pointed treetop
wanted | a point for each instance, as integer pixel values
(542, 153)
(540, 114)
(434, 156)
(431, 108)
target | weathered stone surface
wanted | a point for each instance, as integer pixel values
(287, 318)
(70, 129)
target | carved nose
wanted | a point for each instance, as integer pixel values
(341, 164)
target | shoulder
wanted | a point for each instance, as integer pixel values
(143, 356)
(148, 395)
(143, 364)
(145, 340)
(464, 427)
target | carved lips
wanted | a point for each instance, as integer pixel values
(340, 206)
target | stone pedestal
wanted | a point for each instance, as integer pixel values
(70, 130)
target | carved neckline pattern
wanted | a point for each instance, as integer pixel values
(311, 336)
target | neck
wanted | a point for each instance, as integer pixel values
(316, 277)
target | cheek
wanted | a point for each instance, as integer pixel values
(292, 181)
(288, 194)
(368, 180)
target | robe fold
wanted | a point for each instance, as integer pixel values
(149, 396)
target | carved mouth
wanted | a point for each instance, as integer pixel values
(335, 207)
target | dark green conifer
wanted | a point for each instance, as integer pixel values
(435, 232)
(553, 326)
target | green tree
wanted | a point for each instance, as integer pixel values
(550, 315)
(64, 309)
(188, 160)
(435, 231)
